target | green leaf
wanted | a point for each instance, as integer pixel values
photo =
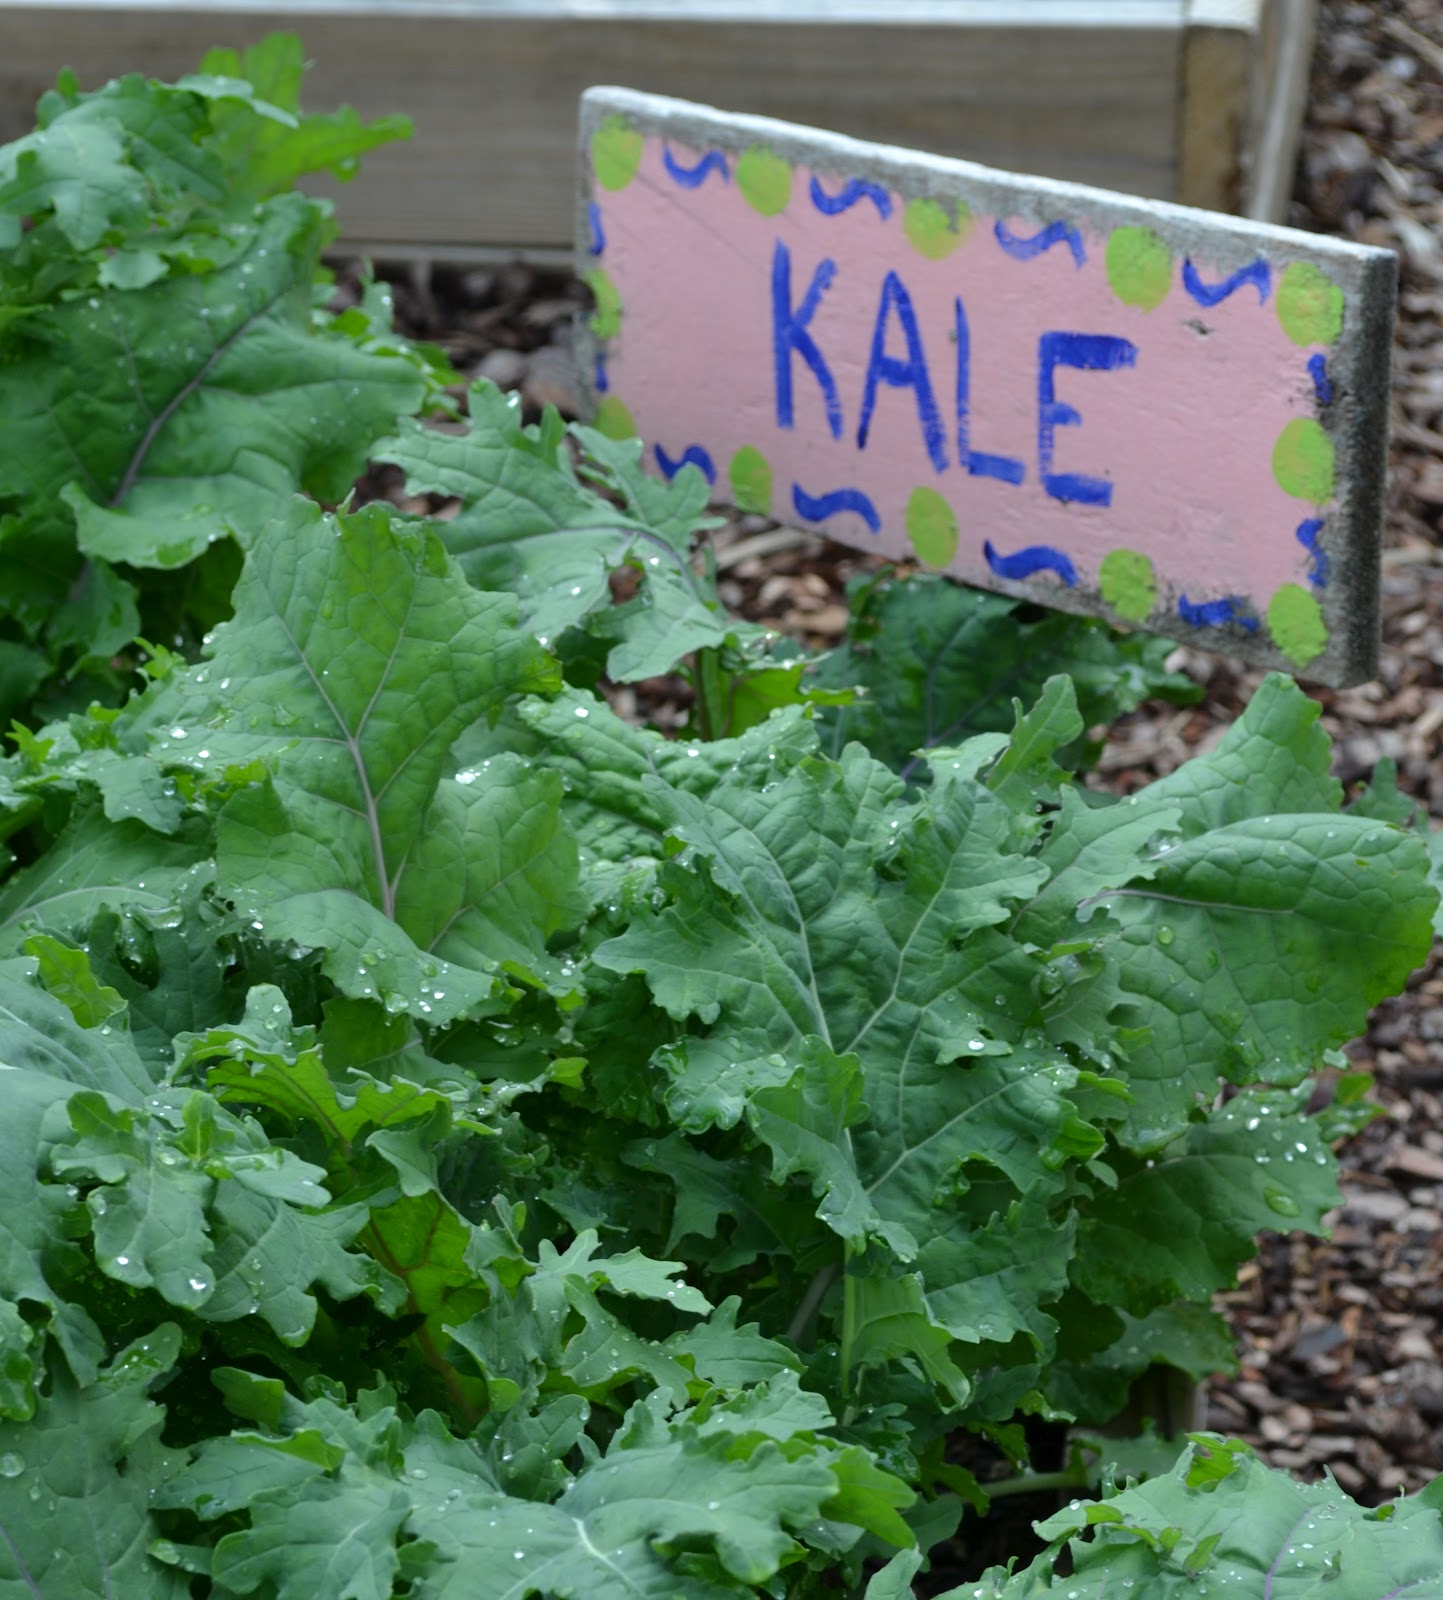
(608, 767)
(628, 1274)
(818, 907)
(29, 1258)
(97, 866)
(1258, 945)
(728, 1356)
(607, 1536)
(66, 974)
(169, 966)
(890, 1320)
(357, 655)
(1179, 1223)
(529, 524)
(869, 1497)
(496, 872)
(1273, 761)
(93, 164)
(39, 1034)
(1096, 1383)
(989, 1282)
(1087, 851)
(333, 1537)
(249, 1064)
(941, 663)
(77, 1480)
(423, 1241)
(217, 399)
(265, 146)
(224, 358)
(1223, 1519)
(193, 1202)
(894, 1581)
(804, 1123)
(1026, 773)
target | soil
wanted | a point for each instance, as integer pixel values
(1339, 1340)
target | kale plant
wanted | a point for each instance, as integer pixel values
(168, 377)
(459, 1143)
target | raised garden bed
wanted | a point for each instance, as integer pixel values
(1190, 100)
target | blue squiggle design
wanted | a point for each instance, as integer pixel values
(598, 234)
(1214, 613)
(1035, 558)
(1258, 273)
(693, 177)
(1028, 249)
(692, 456)
(852, 192)
(1307, 536)
(1322, 383)
(818, 507)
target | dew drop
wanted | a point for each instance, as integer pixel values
(11, 1465)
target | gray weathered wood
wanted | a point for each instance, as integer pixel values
(867, 340)
(1089, 90)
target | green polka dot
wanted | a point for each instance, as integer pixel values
(615, 153)
(1139, 267)
(613, 419)
(1303, 461)
(1128, 584)
(751, 479)
(1295, 621)
(606, 319)
(1310, 306)
(934, 230)
(765, 180)
(932, 527)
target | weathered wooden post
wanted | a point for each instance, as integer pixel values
(1166, 417)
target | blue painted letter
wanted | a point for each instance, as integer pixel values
(1008, 469)
(1092, 352)
(790, 336)
(909, 374)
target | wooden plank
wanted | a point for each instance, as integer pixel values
(1280, 96)
(1243, 85)
(1082, 89)
(1217, 92)
(1129, 409)
(964, 13)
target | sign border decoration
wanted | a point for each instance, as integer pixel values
(1334, 300)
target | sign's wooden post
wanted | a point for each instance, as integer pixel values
(1168, 418)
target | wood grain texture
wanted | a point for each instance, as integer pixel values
(1243, 82)
(1176, 99)
(1219, 67)
(494, 97)
(1285, 53)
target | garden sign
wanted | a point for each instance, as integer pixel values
(1165, 417)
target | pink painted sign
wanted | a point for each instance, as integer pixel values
(1160, 416)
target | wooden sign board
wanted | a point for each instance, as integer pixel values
(1164, 417)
